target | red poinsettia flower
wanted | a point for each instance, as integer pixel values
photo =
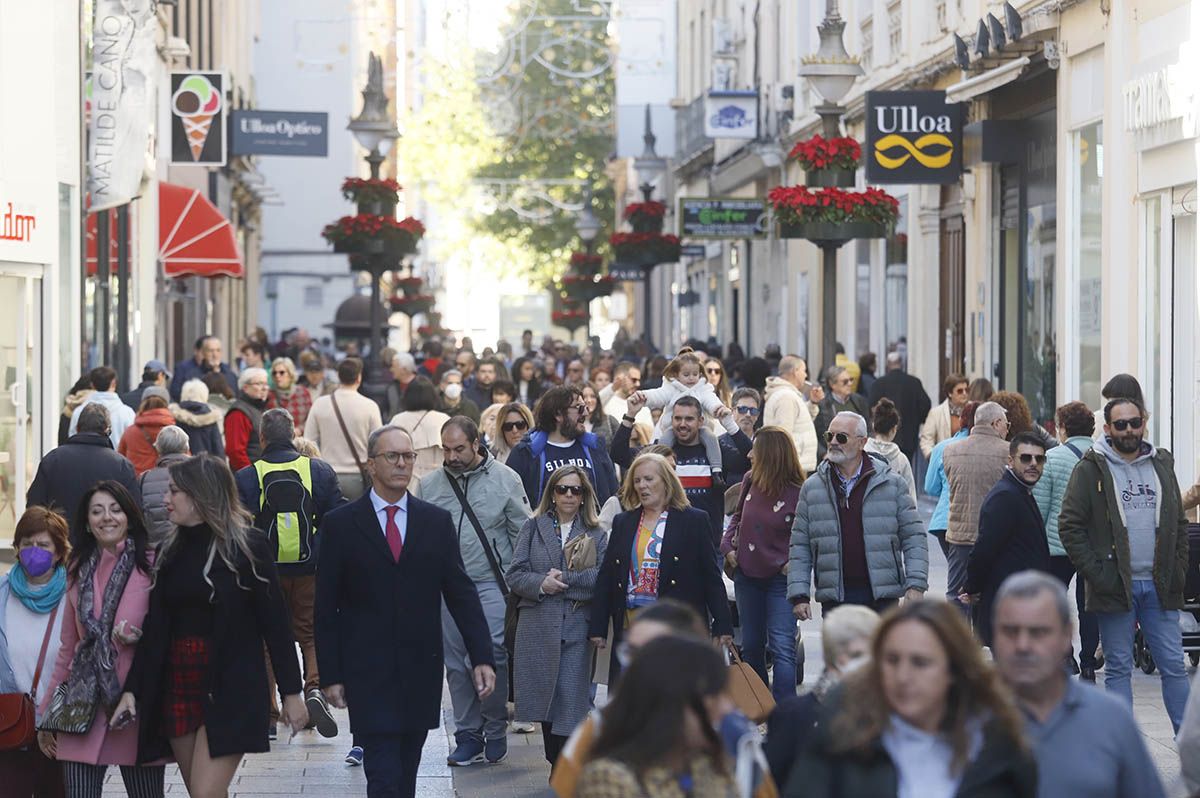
(357, 189)
(652, 209)
(821, 153)
(800, 204)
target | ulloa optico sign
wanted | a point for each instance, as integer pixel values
(913, 137)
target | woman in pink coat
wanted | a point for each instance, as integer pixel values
(107, 600)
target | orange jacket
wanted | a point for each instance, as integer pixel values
(137, 443)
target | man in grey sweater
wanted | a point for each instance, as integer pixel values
(497, 497)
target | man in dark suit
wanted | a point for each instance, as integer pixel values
(908, 394)
(1012, 535)
(388, 560)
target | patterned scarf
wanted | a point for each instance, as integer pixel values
(93, 675)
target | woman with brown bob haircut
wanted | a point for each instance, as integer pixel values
(925, 716)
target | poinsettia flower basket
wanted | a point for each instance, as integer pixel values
(412, 304)
(833, 214)
(827, 162)
(646, 217)
(570, 319)
(644, 250)
(373, 196)
(368, 234)
(409, 285)
(585, 263)
(578, 286)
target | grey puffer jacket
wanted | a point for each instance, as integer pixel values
(892, 530)
(154, 497)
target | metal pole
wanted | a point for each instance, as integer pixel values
(103, 286)
(376, 323)
(123, 355)
(648, 306)
(828, 305)
(375, 159)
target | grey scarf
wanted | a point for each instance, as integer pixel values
(93, 677)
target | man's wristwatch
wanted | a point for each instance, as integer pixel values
(628, 418)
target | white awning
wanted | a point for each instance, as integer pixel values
(986, 81)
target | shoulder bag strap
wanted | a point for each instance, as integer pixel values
(37, 674)
(346, 434)
(1071, 446)
(478, 527)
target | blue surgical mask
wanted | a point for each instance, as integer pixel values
(36, 561)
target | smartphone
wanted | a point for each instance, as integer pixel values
(123, 720)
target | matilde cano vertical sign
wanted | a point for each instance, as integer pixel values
(123, 90)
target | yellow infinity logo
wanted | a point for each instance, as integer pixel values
(892, 141)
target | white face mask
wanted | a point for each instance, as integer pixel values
(453, 391)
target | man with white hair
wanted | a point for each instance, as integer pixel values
(787, 406)
(854, 521)
(243, 422)
(404, 371)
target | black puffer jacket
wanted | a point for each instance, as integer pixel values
(154, 497)
(69, 471)
(202, 423)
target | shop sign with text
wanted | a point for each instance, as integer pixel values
(279, 133)
(722, 217)
(913, 137)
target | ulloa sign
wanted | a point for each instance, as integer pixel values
(913, 137)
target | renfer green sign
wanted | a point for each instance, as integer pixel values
(722, 217)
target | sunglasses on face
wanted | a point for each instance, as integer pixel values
(280, 373)
(1121, 424)
(563, 490)
(1026, 459)
(713, 370)
(509, 426)
(744, 410)
(840, 437)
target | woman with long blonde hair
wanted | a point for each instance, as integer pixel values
(755, 546)
(198, 684)
(513, 423)
(926, 716)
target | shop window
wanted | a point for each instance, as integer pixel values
(1088, 151)
(895, 316)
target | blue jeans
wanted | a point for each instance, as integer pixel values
(768, 622)
(1163, 637)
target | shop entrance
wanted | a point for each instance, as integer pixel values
(20, 393)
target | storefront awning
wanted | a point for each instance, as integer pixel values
(194, 237)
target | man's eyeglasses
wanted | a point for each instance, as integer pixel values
(509, 426)
(746, 410)
(563, 490)
(1026, 459)
(1122, 424)
(394, 458)
(840, 437)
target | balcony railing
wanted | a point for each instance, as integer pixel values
(689, 130)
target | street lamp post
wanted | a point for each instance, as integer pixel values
(831, 72)
(587, 226)
(375, 130)
(649, 166)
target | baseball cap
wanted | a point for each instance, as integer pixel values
(156, 365)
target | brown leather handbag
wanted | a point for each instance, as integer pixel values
(747, 690)
(18, 715)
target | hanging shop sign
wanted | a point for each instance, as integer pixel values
(198, 118)
(693, 251)
(722, 217)
(120, 99)
(913, 137)
(626, 274)
(731, 115)
(279, 133)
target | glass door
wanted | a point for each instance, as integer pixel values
(20, 398)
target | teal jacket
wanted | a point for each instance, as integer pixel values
(1048, 492)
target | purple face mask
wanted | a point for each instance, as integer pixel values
(36, 561)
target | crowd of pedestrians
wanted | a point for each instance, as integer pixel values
(533, 521)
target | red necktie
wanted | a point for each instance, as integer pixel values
(393, 533)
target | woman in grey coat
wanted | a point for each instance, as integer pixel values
(172, 448)
(553, 571)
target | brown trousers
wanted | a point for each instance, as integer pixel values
(299, 592)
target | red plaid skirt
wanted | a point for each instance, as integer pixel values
(187, 686)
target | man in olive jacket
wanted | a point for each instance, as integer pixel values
(1123, 527)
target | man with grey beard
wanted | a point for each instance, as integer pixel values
(854, 520)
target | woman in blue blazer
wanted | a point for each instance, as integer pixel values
(661, 548)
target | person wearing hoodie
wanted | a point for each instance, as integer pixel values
(1123, 526)
(885, 422)
(499, 508)
(560, 439)
(80, 391)
(104, 385)
(243, 422)
(137, 443)
(854, 521)
(69, 471)
(198, 419)
(787, 407)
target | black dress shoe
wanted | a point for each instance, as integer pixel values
(1087, 675)
(1072, 666)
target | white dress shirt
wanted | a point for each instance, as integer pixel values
(381, 515)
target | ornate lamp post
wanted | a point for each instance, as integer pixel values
(375, 129)
(831, 72)
(649, 166)
(586, 224)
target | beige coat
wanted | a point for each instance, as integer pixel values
(936, 428)
(973, 466)
(425, 426)
(786, 408)
(361, 416)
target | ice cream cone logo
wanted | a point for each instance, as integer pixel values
(196, 102)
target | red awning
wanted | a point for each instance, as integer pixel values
(194, 237)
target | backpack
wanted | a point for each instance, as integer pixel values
(287, 511)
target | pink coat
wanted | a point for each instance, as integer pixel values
(101, 746)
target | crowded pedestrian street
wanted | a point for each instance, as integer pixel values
(599, 398)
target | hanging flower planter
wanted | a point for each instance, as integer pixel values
(430, 330)
(832, 215)
(830, 163)
(411, 305)
(570, 319)
(583, 263)
(644, 250)
(409, 285)
(373, 197)
(578, 286)
(603, 286)
(374, 235)
(646, 217)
